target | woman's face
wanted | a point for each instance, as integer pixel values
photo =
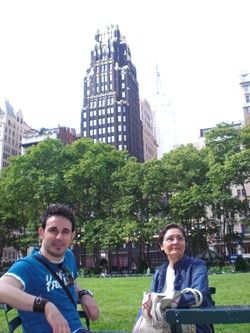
(173, 244)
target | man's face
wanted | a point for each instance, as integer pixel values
(56, 237)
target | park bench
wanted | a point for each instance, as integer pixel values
(231, 314)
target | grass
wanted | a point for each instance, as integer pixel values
(120, 298)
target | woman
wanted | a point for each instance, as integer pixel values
(181, 271)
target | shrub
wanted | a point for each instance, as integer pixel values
(240, 264)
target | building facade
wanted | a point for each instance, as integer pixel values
(245, 85)
(164, 121)
(111, 109)
(12, 130)
(149, 141)
(33, 137)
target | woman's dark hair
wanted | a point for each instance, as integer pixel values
(58, 210)
(168, 227)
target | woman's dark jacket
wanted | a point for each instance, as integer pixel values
(189, 273)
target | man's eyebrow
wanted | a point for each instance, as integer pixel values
(66, 229)
(51, 228)
(56, 228)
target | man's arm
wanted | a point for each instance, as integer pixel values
(11, 294)
(88, 304)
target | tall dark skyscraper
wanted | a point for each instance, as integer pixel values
(111, 108)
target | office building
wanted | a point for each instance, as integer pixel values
(65, 134)
(149, 141)
(12, 129)
(164, 119)
(245, 85)
(111, 108)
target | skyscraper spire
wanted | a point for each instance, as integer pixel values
(164, 119)
(158, 80)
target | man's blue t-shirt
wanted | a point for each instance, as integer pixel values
(38, 281)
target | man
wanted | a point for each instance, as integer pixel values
(31, 288)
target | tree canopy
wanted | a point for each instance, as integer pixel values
(117, 200)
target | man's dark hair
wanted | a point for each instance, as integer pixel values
(170, 226)
(58, 210)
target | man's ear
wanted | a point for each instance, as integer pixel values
(73, 235)
(41, 232)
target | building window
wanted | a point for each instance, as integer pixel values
(92, 122)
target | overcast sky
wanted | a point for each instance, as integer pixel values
(200, 47)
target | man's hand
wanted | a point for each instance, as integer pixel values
(58, 323)
(90, 307)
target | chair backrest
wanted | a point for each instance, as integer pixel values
(212, 291)
(14, 321)
(82, 315)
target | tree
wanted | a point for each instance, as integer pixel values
(186, 170)
(224, 150)
(92, 192)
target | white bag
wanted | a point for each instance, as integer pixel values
(153, 307)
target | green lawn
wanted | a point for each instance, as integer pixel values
(119, 299)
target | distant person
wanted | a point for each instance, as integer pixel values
(180, 272)
(33, 290)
